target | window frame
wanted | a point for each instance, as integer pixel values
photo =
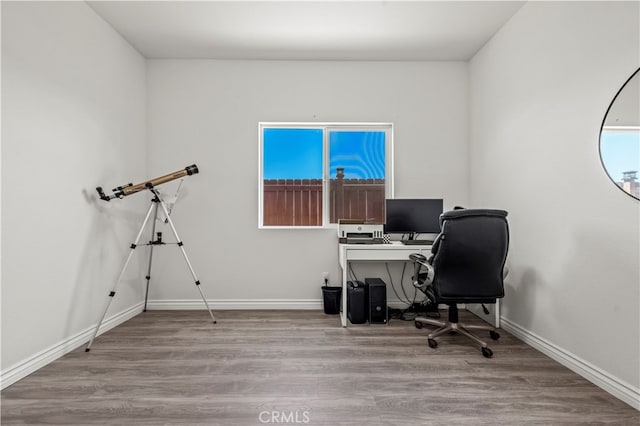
(326, 128)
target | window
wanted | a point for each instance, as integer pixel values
(620, 153)
(313, 175)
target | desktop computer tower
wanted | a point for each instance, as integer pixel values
(376, 298)
(356, 302)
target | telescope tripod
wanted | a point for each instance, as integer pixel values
(153, 207)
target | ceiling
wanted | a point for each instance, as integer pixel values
(308, 30)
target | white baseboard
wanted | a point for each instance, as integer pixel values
(226, 304)
(616, 387)
(222, 304)
(250, 304)
(29, 365)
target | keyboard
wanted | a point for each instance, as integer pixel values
(417, 242)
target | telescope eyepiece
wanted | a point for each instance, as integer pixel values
(101, 194)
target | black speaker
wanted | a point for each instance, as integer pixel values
(356, 302)
(376, 300)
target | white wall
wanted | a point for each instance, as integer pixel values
(538, 94)
(73, 118)
(207, 112)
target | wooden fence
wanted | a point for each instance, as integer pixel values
(298, 202)
(292, 202)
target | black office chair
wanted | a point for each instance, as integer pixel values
(467, 265)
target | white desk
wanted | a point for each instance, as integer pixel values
(396, 251)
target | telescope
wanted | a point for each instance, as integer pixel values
(155, 203)
(129, 188)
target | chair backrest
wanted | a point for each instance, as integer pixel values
(469, 256)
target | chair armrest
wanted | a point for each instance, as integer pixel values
(421, 280)
(505, 271)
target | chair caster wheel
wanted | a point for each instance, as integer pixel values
(494, 335)
(432, 343)
(418, 324)
(487, 353)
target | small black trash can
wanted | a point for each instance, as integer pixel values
(331, 299)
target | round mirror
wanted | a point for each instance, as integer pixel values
(620, 137)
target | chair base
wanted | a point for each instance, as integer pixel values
(457, 327)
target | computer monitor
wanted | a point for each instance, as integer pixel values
(413, 216)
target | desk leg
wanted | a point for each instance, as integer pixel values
(343, 311)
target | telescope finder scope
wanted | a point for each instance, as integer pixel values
(128, 189)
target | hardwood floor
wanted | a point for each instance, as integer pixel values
(288, 367)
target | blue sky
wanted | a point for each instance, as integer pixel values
(620, 153)
(362, 154)
(292, 154)
(297, 153)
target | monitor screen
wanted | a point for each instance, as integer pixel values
(413, 216)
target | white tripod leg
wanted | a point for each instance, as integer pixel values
(151, 244)
(124, 268)
(184, 253)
